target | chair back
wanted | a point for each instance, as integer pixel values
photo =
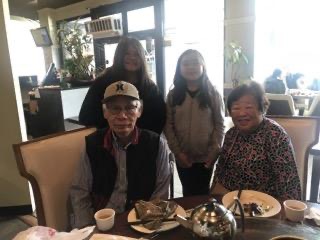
(280, 104)
(49, 164)
(304, 134)
(314, 109)
(49, 118)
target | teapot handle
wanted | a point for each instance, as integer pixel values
(237, 201)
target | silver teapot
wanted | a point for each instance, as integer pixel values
(213, 221)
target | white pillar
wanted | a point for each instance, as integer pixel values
(13, 188)
(51, 54)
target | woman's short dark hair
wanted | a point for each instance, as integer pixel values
(253, 89)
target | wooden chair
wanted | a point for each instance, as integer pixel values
(281, 104)
(49, 164)
(304, 134)
(314, 109)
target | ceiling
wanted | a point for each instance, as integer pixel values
(28, 8)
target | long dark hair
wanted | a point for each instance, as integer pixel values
(206, 89)
(118, 70)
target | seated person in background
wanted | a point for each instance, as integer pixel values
(257, 153)
(275, 83)
(294, 80)
(121, 164)
(301, 81)
(315, 85)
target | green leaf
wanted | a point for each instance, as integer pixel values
(234, 56)
(76, 43)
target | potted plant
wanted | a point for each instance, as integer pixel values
(234, 57)
(77, 63)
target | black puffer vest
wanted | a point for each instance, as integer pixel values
(141, 168)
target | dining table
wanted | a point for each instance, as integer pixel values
(260, 228)
(302, 99)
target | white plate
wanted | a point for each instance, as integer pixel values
(165, 226)
(250, 196)
(109, 237)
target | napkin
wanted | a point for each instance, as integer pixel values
(46, 233)
(314, 214)
(110, 237)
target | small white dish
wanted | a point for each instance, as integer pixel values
(99, 236)
(105, 219)
(287, 237)
(295, 210)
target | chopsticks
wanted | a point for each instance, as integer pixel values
(139, 222)
(238, 196)
(239, 193)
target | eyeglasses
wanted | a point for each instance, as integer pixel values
(128, 109)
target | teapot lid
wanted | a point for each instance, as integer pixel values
(209, 212)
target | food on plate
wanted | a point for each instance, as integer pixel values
(254, 209)
(155, 210)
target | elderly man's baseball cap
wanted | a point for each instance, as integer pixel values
(120, 88)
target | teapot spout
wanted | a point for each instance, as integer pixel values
(183, 221)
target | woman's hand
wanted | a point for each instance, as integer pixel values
(212, 159)
(183, 160)
(209, 162)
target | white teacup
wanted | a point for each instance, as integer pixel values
(105, 219)
(295, 210)
(287, 237)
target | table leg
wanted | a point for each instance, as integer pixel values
(301, 111)
(315, 179)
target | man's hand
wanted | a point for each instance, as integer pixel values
(183, 160)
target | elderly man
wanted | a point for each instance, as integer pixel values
(121, 164)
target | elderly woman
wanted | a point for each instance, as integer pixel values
(257, 153)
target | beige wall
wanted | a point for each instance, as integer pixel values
(239, 27)
(13, 188)
(81, 8)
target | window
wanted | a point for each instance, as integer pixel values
(141, 19)
(287, 37)
(199, 26)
